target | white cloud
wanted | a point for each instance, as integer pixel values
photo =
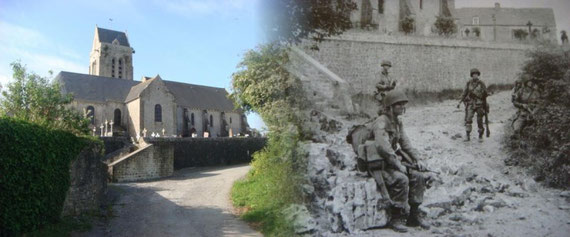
(34, 50)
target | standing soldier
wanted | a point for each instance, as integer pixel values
(524, 98)
(384, 83)
(475, 99)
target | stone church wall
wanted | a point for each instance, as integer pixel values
(103, 111)
(134, 111)
(154, 94)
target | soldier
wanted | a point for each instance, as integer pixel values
(385, 82)
(401, 167)
(475, 99)
(524, 98)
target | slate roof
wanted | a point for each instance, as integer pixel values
(107, 36)
(103, 89)
(95, 88)
(507, 16)
(200, 97)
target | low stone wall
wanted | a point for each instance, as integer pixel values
(193, 152)
(88, 182)
(114, 143)
(148, 162)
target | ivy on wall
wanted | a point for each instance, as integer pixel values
(34, 174)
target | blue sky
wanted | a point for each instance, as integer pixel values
(192, 41)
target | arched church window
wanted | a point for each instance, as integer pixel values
(421, 4)
(211, 120)
(117, 117)
(192, 119)
(380, 6)
(157, 113)
(120, 68)
(113, 67)
(90, 113)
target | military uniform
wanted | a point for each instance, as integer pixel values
(524, 98)
(474, 96)
(404, 189)
(384, 83)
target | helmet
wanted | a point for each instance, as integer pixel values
(525, 77)
(395, 96)
(386, 63)
(475, 70)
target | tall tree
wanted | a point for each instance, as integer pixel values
(33, 98)
(290, 21)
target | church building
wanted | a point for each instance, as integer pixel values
(108, 94)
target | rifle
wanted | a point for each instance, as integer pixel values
(410, 164)
(487, 109)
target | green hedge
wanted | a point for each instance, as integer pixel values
(34, 174)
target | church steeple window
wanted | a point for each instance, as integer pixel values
(113, 67)
(192, 119)
(120, 68)
(211, 120)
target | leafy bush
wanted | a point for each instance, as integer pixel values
(34, 168)
(407, 24)
(545, 144)
(446, 26)
(265, 86)
(520, 34)
(33, 98)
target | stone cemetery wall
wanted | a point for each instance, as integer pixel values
(88, 182)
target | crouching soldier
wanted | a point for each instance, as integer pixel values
(525, 98)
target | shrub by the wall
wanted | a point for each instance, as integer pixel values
(34, 174)
(544, 145)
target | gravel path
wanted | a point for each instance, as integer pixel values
(193, 202)
(479, 195)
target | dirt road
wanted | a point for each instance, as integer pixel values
(479, 196)
(194, 202)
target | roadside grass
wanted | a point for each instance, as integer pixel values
(270, 187)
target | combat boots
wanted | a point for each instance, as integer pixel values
(397, 221)
(415, 218)
(468, 137)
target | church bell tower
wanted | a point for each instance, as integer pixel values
(111, 55)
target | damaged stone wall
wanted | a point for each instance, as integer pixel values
(88, 182)
(342, 199)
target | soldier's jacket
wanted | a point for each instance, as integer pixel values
(475, 92)
(525, 95)
(389, 136)
(384, 82)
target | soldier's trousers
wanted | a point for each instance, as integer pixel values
(403, 189)
(521, 120)
(471, 110)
